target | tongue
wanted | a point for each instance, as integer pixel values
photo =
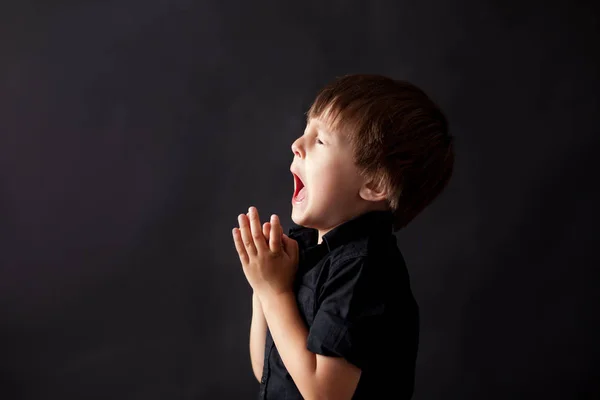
(301, 194)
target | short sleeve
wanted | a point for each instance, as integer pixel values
(349, 317)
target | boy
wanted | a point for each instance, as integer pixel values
(333, 312)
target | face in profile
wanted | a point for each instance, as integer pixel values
(326, 180)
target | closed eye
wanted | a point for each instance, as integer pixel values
(319, 141)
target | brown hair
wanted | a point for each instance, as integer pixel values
(399, 137)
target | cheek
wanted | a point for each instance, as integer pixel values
(332, 177)
(333, 183)
(346, 181)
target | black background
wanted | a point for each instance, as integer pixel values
(132, 134)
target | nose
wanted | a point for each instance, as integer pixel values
(296, 148)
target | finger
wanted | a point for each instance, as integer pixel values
(239, 246)
(266, 230)
(276, 231)
(257, 234)
(246, 235)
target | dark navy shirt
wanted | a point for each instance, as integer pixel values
(353, 293)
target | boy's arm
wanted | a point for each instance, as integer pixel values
(258, 326)
(315, 376)
(258, 336)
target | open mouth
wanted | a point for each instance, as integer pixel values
(299, 189)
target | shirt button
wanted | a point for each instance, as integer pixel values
(263, 381)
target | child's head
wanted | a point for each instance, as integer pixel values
(370, 143)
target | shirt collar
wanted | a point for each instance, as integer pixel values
(367, 224)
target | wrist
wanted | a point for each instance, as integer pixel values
(269, 300)
(257, 308)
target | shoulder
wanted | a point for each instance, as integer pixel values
(374, 266)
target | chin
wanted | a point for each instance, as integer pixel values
(297, 218)
(300, 217)
(309, 219)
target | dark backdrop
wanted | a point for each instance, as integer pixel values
(132, 134)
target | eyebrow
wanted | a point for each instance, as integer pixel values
(325, 132)
(322, 128)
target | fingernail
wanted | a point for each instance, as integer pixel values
(273, 218)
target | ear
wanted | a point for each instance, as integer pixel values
(371, 191)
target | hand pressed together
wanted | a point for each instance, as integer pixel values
(269, 265)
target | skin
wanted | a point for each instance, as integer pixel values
(336, 192)
(269, 258)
